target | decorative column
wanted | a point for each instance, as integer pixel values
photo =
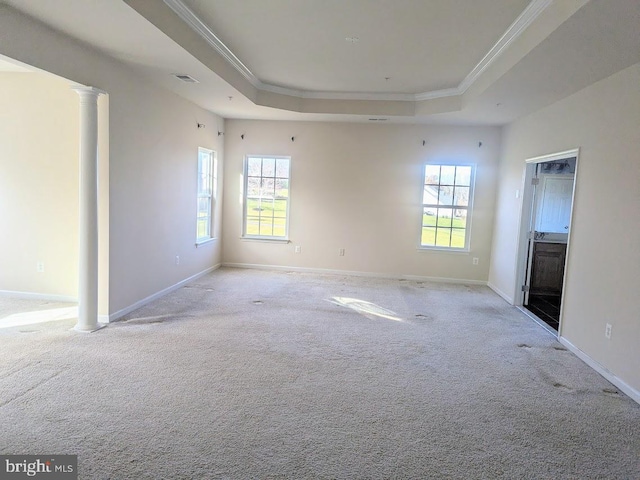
(88, 226)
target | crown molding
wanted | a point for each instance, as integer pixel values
(445, 92)
(526, 18)
(191, 19)
(267, 87)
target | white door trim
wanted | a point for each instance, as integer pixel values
(525, 223)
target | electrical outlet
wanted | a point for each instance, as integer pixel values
(341, 252)
(476, 260)
(40, 267)
(607, 331)
(298, 249)
(177, 259)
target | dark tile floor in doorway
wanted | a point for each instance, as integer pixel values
(547, 308)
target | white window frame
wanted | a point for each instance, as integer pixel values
(207, 189)
(245, 197)
(468, 208)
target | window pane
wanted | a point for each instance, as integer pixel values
(268, 167)
(459, 218)
(254, 166)
(203, 227)
(279, 227)
(252, 227)
(447, 175)
(204, 172)
(253, 206)
(429, 217)
(253, 186)
(201, 180)
(428, 236)
(282, 188)
(266, 226)
(204, 206)
(206, 165)
(443, 237)
(282, 168)
(430, 195)
(268, 187)
(445, 195)
(280, 208)
(461, 196)
(266, 208)
(463, 176)
(457, 237)
(432, 174)
(444, 217)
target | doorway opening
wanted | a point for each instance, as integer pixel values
(40, 135)
(545, 234)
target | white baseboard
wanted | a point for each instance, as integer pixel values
(618, 382)
(353, 273)
(39, 296)
(121, 313)
(506, 297)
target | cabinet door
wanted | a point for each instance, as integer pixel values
(547, 269)
(555, 204)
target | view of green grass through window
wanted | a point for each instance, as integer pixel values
(445, 203)
(266, 197)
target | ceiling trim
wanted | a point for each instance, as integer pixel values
(201, 28)
(446, 92)
(526, 18)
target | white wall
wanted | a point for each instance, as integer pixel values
(359, 187)
(153, 144)
(603, 266)
(39, 135)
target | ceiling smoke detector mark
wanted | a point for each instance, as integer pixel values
(185, 78)
(352, 40)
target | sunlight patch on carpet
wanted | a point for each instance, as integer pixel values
(39, 316)
(365, 308)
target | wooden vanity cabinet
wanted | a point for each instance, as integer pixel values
(547, 269)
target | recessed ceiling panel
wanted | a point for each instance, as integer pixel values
(364, 46)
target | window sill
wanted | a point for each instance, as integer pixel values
(200, 243)
(265, 239)
(456, 251)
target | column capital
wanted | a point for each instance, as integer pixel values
(88, 91)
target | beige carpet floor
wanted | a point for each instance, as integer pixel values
(252, 374)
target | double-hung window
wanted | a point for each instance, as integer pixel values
(266, 197)
(447, 198)
(207, 186)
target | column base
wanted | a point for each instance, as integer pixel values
(79, 329)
